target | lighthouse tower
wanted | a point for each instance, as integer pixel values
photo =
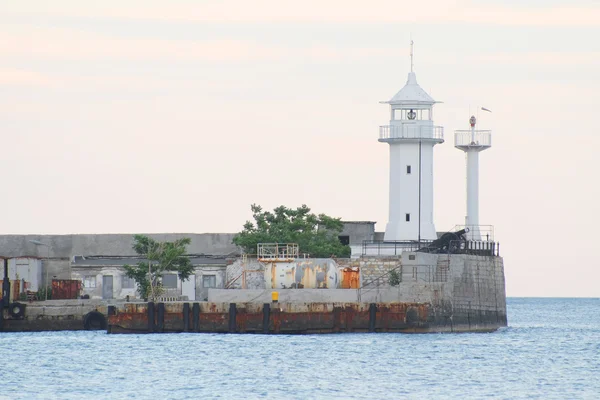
(472, 142)
(411, 136)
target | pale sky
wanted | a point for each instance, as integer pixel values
(174, 116)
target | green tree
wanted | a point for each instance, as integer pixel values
(316, 235)
(394, 278)
(160, 257)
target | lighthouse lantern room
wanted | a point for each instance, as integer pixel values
(411, 136)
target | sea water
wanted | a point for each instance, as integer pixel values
(551, 349)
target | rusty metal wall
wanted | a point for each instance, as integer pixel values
(350, 278)
(277, 318)
(64, 289)
(15, 288)
(309, 273)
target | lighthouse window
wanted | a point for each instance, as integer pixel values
(408, 169)
(407, 217)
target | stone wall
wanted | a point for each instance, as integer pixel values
(478, 289)
(466, 292)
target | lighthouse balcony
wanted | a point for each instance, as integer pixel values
(390, 133)
(468, 139)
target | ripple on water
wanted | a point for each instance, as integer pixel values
(549, 351)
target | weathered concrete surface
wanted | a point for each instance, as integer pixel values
(56, 259)
(66, 246)
(254, 277)
(408, 293)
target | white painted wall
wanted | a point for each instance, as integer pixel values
(188, 287)
(28, 269)
(404, 191)
(472, 218)
(411, 139)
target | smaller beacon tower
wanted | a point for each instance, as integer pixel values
(472, 142)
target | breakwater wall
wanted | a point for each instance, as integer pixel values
(288, 318)
(466, 292)
(55, 315)
(434, 293)
(277, 318)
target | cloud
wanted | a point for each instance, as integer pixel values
(545, 58)
(82, 45)
(65, 43)
(332, 11)
(21, 77)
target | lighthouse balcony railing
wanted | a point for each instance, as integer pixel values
(411, 132)
(472, 138)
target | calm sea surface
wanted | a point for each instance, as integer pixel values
(550, 350)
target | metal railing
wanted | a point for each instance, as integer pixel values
(375, 248)
(391, 248)
(425, 273)
(277, 251)
(472, 138)
(475, 247)
(411, 132)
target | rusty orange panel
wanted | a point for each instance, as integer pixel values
(350, 278)
(64, 289)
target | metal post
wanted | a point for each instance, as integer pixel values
(372, 316)
(186, 317)
(266, 317)
(161, 317)
(150, 317)
(196, 316)
(419, 191)
(232, 317)
(5, 286)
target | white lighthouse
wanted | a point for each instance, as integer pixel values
(472, 142)
(411, 136)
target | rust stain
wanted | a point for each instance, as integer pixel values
(64, 289)
(350, 278)
(284, 318)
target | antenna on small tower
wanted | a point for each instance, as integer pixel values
(411, 55)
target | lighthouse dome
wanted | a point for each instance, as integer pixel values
(411, 93)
